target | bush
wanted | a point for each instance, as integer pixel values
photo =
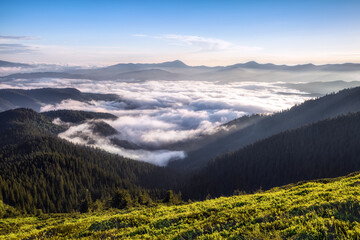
(121, 199)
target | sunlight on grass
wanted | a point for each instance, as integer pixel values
(328, 208)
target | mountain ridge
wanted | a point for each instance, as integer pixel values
(309, 152)
(178, 70)
(179, 63)
(332, 105)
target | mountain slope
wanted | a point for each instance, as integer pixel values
(300, 67)
(323, 209)
(36, 98)
(73, 116)
(328, 148)
(322, 88)
(150, 74)
(311, 111)
(40, 171)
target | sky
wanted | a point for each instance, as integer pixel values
(99, 33)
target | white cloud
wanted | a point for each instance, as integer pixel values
(11, 48)
(166, 111)
(203, 44)
(83, 134)
(154, 114)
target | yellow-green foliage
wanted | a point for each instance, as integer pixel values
(312, 210)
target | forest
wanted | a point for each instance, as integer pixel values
(40, 172)
(329, 148)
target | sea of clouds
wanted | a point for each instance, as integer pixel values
(154, 114)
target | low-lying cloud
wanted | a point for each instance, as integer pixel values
(154, 114)
(83, 134)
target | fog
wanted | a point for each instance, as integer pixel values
(155, 113)
(152, 114)
(4, 71)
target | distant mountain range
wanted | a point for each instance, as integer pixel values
(174, 70)
(36, 98)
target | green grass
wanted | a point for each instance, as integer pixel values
(324, 209)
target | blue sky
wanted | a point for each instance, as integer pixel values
(196, 32)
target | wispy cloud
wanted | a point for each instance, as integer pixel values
(15, 48)
(201, 43)
(205, 44)
(17, 37)
(14, 44)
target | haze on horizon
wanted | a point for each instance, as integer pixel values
(197, 32)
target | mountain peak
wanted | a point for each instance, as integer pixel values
(19, 114)
(251, 63)
(176, 63)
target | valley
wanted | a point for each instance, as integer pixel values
(139, 158)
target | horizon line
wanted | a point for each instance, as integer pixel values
(182, 62)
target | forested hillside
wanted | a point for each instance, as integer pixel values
(36, 98)
(311, 111)
(329, 148)
(40, 171)
(73, 116)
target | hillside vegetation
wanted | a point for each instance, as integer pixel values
(311, 111)
(40, 172)
(37, 98)
(328, 148)
(323, 209)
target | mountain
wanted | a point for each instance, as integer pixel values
(97, 126)
(36, 98)
(125, 67)
(171, 64)
(151, 74)
(328, 148)
(322, 88)
(175, 70)
(22, 124)
(12, 64)
(311, 111)
(300, 67)
(223, 131)
(74, 116)
(35, 75)
(138, 71)
(38, 170)
(255, 65)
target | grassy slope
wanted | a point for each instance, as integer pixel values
(321, 209)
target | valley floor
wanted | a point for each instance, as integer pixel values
(322, 209)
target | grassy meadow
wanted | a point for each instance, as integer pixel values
(322, 209)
